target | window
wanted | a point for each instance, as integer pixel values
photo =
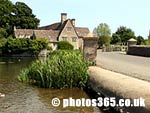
(64, 38)
(74, 39)
(68, 29)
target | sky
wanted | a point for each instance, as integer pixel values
(134, 14)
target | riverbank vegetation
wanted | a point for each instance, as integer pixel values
(20, 16)
(19, 45)
(62, 69)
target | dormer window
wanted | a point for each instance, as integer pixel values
(68, 29)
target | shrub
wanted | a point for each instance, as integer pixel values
(19, 45)
(2, 42)
(63, 69)
(38, 44)
(64, 45)
(3, 33)
(49, 48)
(16, 45)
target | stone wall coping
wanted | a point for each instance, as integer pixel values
(118, 85)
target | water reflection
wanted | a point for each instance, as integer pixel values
(23, 98)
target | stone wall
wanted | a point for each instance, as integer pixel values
(80, 40)
(139, 50)
(43, 53)
(69, 35)
(90, 45)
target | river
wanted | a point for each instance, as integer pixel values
(23, 98)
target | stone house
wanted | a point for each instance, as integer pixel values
(63, 30)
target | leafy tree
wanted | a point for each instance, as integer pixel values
(115, 39)
(3, 33)
(6, 8)
(2, 42)
(103, 32)
(140, 40)
(148, 40)
(24, 16)
(125, 33)
(19, 15)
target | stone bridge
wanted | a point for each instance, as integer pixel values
(122, 76)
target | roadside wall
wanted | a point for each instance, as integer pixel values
(139, 50)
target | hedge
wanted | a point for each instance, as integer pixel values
(20, 45)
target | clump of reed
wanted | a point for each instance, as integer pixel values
(62, 69)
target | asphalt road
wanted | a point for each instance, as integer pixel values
(135, 66)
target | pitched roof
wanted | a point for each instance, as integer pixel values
(51, 35)
(54, 26)
(26, 32)
(82, 31)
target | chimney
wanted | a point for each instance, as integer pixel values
(73, 22)
(63, 17)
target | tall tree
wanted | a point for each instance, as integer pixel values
(19, 15)
(125, 33)
(140, 40)
(103, 32)
(6, 7)
(24, 16)
(115, 39)
(3, 33)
